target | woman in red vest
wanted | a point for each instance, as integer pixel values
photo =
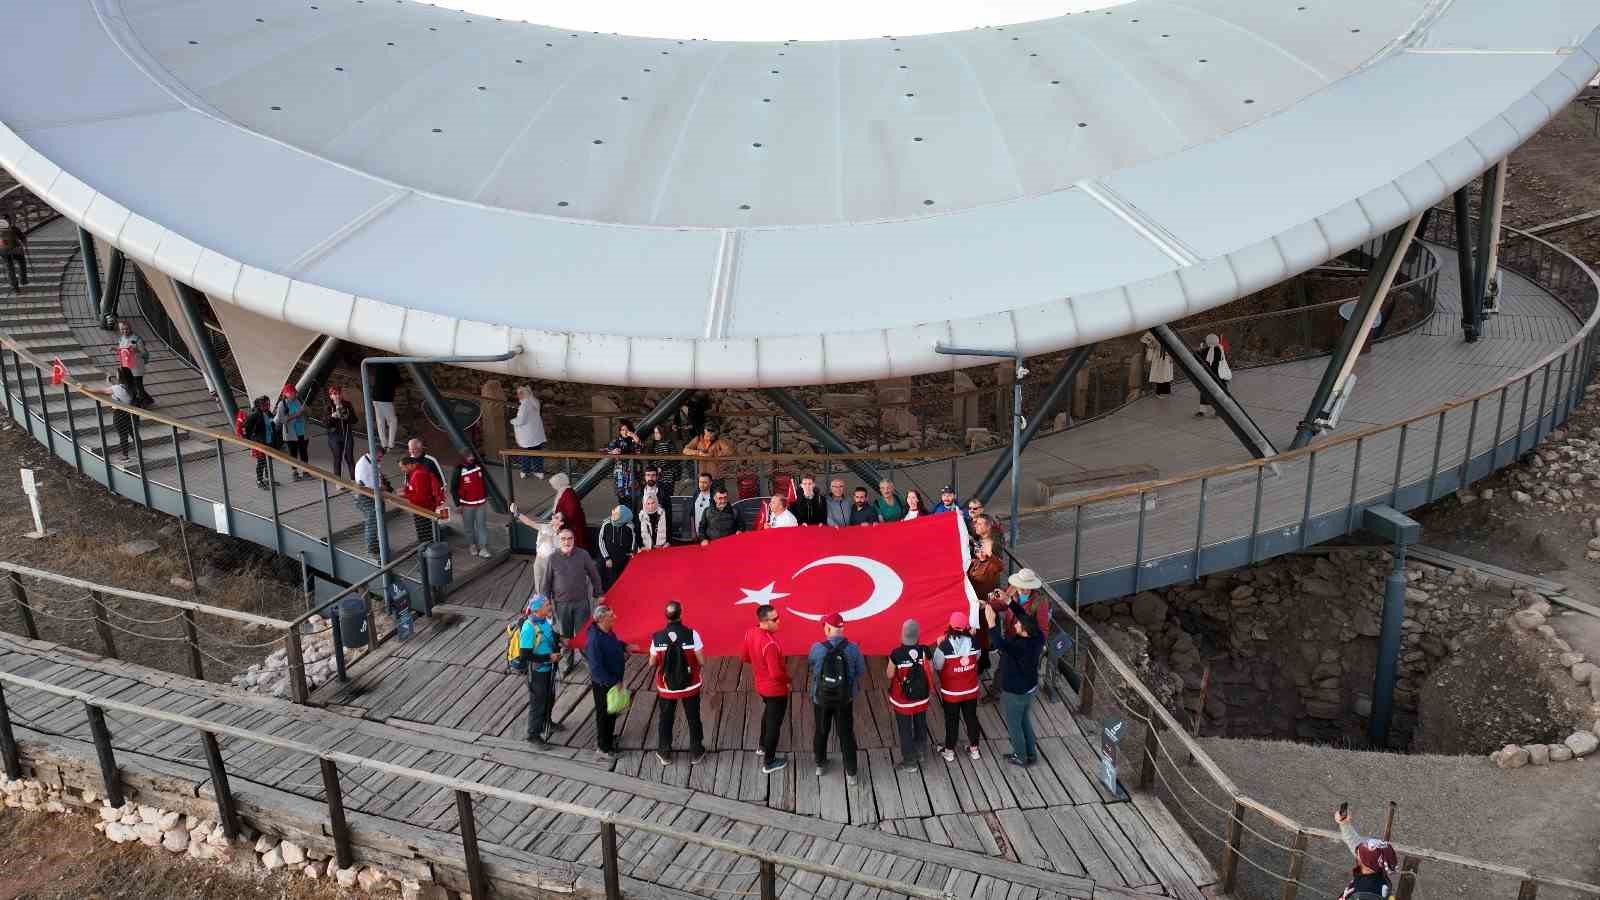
(955, 658)
(468, 486)
(910, 687)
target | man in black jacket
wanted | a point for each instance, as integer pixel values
(808, 506)
(719, 519)
(862, 512)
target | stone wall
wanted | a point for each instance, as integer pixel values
(1291, 644)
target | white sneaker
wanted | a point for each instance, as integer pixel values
(472, 549)
(522, 474)
(484, 552)
(972, 752)
(539, 475)
(948, 754)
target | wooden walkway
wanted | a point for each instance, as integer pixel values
(445, 704)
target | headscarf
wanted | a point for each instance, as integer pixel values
(1213, 341)
(621, 514)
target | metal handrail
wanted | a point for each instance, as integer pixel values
(462, 786)
(1582, 335)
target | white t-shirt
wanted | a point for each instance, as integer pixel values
(366, 472)
(784, 519)
(910, 514)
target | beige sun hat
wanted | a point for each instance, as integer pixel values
(1025, 580)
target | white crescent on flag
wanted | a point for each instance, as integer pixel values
(886, 587)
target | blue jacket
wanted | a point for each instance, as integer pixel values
(1019, 656)
(538, 638)
(606, 655)
(852, 658)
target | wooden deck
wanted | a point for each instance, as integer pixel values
(443, 702)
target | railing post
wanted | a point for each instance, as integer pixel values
(8, 741)
(1438, 447)
(1522, 414)
(1399, 464)
(1230, 849)
(336, 822)
(327, 523)
(138, 449)
(20, 596)
(1539, 431)
(1355, 484)
(372, 619)
(1152, 743)
(297, 666)
(105, 452)
(222, 476)
(5, 386)
(338, 645)
(183, 484)
(769, 880)
(227, 813)
(44, 411)
(477, 881)
(1466, 454)
(1255, 514)
(102, 624)
(191, 637)
(1086, 692)
(1297, 861)
(1406, 880)
(277, 523)
(608, 858)
(109, 775)
(72, 430)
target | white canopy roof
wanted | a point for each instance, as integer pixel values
(648, 211)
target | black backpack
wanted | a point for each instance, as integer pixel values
(915, 683)
(833, 680)
(674, 665)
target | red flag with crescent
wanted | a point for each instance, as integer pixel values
(58, 371)
(875, 576)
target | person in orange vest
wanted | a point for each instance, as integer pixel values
(468, 485)
(955, 658)
(422, 489)
(910, 686)
(676, 651)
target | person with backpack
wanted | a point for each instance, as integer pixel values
(1372, 877)
(764, 655)
(260, 429)
(910, 675)
(1020, 650)
(539, 644)
(676, 652)
(956, 659)
(837, 669)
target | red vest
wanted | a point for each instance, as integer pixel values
(471, 490)
(905, 659)
(958, 678)
(691, 658)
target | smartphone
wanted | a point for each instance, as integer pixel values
(1344, 809)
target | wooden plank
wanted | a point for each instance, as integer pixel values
(1056, 851)
(1172, 876)
(1103, 830)
(1167, 828)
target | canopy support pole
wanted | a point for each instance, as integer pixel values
(1052, 398)
(819, 429)
(1239, 421)
(1488, 219)
(1354, 338)
(316, 370)
(1464, 258)
(189, 301)
(113, 291)
(1492, 298)
(441, 414)
(598, 472)
(91, 271)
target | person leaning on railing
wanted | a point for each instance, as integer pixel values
(712, 447)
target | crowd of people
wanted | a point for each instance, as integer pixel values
(1011, 629)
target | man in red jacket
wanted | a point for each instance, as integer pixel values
(765, 656)
(469, 486)
(422, 489)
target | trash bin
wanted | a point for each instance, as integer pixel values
(436, 556)
(353, 621)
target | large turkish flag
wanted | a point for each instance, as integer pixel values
(875, 576)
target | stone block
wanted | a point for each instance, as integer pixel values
(1582, 743)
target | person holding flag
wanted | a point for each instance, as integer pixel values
(777, 514)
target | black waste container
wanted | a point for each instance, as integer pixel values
(353, 621)
(436, 556)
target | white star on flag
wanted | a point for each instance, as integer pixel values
(763, 596)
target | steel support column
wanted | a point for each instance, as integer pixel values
(91, 268)
(819, 429)
(441, 414)
(598, 472)
(1469, 314)
(113, 291)
(189, 301)
(1058, 389)
(1239, 421)
(1354, 338)
(1483, 249)
(1496, 208)
(311, 379)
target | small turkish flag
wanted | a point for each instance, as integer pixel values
(58, 371)
(874, 576)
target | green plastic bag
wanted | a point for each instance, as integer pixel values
(617, 699)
